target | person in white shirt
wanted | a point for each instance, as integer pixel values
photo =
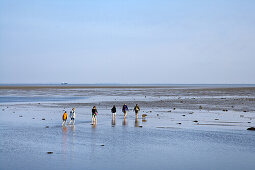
(72, 116)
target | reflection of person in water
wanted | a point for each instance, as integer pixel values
(136, 122)
(124, 123)
(64, 144)
(113, 120)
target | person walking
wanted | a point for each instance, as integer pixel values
(136, 110)
(72, 116)
(94, 115)
(124, 110)
(113, 111)
(64, 117)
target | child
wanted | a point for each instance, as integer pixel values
(64, 117)
(72, 116)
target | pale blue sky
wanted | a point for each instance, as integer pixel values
(127, 41)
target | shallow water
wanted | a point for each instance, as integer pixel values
(157, 142)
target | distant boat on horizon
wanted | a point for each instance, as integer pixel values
(64, 83)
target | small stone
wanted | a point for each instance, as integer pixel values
(245, 111)
(140, 126)
(251, 128)
(216, 119)
(33, 118)
(179, 123)
(43, 118)
(174, 108)
(46, 126)
(20, 116)
(183, 115)
(191, 112)
(144, 115)
(248, 122)
(200, 107)
(49, 152)
(195, 121)
(101, 145)
(169, 111)
(157, 114)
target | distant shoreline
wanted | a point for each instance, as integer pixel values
(71, 86)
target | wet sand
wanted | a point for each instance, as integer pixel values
(185, 128)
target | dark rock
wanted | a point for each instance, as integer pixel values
(140, 126)
(157, 114)
(183, 115)
(251, 128)
(248, 122)
(191, 112)
(245, 111)
(46, 126)
(216, 119)
(101, 145)
(20, 116)
(33, 118)
(195, 121)
(179, 123)
(224, 110)
(169, 111)
(200, 107)
(174, 108)
(49, 152)
(43, 118)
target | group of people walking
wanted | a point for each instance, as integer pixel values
(95, 112)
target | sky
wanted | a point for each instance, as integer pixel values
(127, 41)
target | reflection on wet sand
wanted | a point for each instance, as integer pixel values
(73, 128)
(94, 125)
(124, 123)
(64, 143)
(136, 122)
(113, 119)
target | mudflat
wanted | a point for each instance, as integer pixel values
(183, 127)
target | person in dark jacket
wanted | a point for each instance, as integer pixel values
(113, 115)
(124, 110)
(94, 115)
(136, 109)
